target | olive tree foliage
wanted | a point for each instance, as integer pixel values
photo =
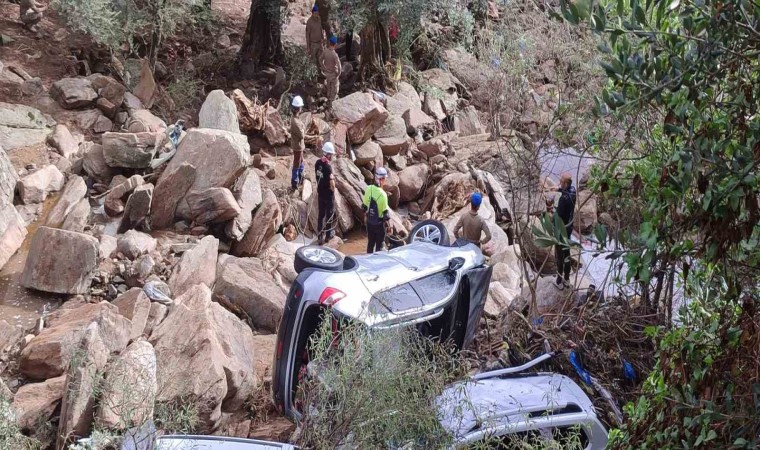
(375, 389)
(117, 23)
(684, 78)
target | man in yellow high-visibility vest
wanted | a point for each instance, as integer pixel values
(377, 217)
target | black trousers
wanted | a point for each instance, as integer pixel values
(326, 204)
(375, 238)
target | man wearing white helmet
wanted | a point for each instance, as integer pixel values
(325, 193)
(297, 135)
(377, 217)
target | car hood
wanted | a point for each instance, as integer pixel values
(468, 405)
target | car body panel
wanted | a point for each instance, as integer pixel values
(473, 410)
(178, 442)
(384, 289)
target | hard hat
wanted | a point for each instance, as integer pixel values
(328, 148)
(476, 199)
(333, 39)
(297, 102)
(314, 8)
(381, 172)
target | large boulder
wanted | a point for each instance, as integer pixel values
(140, 81)
(12, 231)
(35, 187)
(73, 193)
(219, 157)
(268, 219)
(73, 93)
(247, 192)
(243, 284)
(81, 384)
(409, 93)
(49, 353)
(367, 153)
(363, 115)
(134, 244)
(60, 261)
(467, 122)
(35, 403)
(135, 306)
(412, 180)
(197, 265)
(212, 365)
(94, 162)
(168, 191)
(441, 97)
(550, 298)
(416, 119)
(142, 120)
(219, 112)
(281, 254)
(129, 150)
(275, 131)
(392, 136)
(77, 219)
(586, 217)
(8, 178)
(109, 90)
(63, 141)
(214, 205)
(21, 126)
(137, 208)
(499, 298)
(130, 388)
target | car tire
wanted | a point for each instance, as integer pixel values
(430, 231)
(317, 257)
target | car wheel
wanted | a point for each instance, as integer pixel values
(318, 257)
(429, 231)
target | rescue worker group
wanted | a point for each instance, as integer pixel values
(375, 199)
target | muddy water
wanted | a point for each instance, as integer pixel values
(355, 243)
(19, 306)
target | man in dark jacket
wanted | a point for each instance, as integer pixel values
(566, 211)
(325, 194)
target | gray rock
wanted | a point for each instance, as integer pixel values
(467, 122)
(94, 162)
(134, 244)
(219, 112)
(268, 219)
(367, 153)
(21, 126)
(8, 178)
(63, 141)
(77, 219)
(73, 192)
(129, 150)
(12, 231)
(197, 265)
(362, 114)
(169, 190)
(137, 208)
(392, 136)
(102, 125)
(220, 157)
(35, 187)
(247, 192)
(142, 120)
(60, 261)
(412, 180)
(214, 205)
(73, 93)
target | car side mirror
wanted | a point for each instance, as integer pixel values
(456, 263)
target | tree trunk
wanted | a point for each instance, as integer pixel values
(375, 51)
(262, 44)
(324, 15)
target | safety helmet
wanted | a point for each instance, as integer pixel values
(297, 102)
(381, 172)
(476, 199)
(333, 39)
(315, 8)
(328, 148)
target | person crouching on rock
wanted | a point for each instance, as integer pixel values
(325, 193)
(297, 135)
(377, 217)
(472, 224)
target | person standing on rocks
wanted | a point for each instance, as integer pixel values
(315, 36)
(297, 135)
(470, 225)
(566, 211)
(331, 68)
(325, 193)
(377, 217)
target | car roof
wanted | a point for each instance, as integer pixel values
(468, 405)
